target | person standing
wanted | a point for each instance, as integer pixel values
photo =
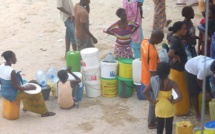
(162, 87)
(150, 59)
(122, 30)
(133, 11)
(195, 73)
(178, 58)
(190, 37)
(68, 17)
(159, 20)
(84, 37)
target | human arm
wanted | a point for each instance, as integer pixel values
(77, 79)
(172, 55)
(16, 85)
(86, 29)
(62, 9)
(145, 93)
(111, 29)
(153, 61)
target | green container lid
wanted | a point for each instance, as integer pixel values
(126, 61)
(124, 79)
(108, 78)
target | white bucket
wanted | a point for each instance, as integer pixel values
(136, 71)
(79, 76)
(89, 57)
(93, 88)
(91, 73)
(109, 70)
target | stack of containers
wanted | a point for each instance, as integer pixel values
(125, 81)
(91, 71)
(136, 75)
(109, 68)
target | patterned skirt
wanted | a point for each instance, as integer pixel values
(33, 102)
(123, 51)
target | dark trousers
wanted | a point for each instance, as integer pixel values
(168, 125)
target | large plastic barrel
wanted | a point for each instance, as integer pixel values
(182, 107)
(125, 68)
(73, 59)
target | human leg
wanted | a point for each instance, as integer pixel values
(67, 40)
(151, 114)
(160, 126)
(193, 90)
(70, 34)
(34, 103)
(168, 125)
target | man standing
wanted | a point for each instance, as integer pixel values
(150, 59)
(68, 17)
(197, 69)
(83, 36)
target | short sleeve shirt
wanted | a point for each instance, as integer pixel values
(199, 66)
(177, 46)
(81, 17)
(150, 59)
(68, 5)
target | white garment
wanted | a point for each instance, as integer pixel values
(196, 65)
(5, 72)
(68, 6)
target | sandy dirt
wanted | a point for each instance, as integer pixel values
(34, 31)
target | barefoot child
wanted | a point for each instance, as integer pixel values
(67, 90)
(162, 86)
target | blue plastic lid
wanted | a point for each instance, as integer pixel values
(210, 124)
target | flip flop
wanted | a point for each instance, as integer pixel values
(48, 114)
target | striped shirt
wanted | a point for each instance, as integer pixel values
(123, 35)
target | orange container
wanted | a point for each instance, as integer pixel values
(11, 110)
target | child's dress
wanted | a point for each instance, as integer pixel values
(163, 108)
(65, 99)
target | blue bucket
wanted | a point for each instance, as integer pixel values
(139, 90)
(210, 125)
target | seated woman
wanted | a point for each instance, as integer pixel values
(12, 89)
(122, 30)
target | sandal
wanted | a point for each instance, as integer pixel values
(48, 114)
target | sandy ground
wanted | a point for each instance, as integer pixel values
(34, 31)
